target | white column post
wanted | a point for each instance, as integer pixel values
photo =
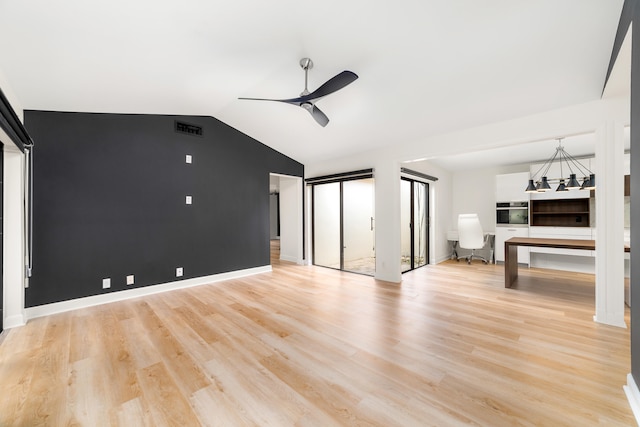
(610, 224)
(387, 221)
(13, 242)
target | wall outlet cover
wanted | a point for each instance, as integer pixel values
(189, 200)
(130, 280)
(189, 159)
(106, 283)
(179, 272)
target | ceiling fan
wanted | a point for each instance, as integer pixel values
(306, 98)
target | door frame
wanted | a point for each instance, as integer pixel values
(291, 213)
(330, 179)
(427, 236)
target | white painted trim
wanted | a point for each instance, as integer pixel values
(13, 239)
(75, 304)
(14, 321)
(290, 259)
(443, 259)
(633, 396)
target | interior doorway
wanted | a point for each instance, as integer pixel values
(286, 218)
(414, 211)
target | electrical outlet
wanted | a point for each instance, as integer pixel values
(189, 159)
(179, 272)
(106, 283)
(130, 280)
(189, 200)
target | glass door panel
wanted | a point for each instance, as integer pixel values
(326, 225)
(414, 220)
(420, 225)
(358, 227)
(405, 224)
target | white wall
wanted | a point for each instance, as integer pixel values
(577, 119)
(469, 196)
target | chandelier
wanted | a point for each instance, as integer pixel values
(539, 182)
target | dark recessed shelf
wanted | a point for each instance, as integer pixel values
(560, 213)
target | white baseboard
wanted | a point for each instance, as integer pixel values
(443, 259)
(75, 304)
(611, 319)
(290, 258)
(14, 321)
(633, 396)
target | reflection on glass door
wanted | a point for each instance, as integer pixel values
(326, 225)
(343, 225)
(358, 236)
(414, 207)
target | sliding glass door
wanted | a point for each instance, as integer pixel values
(343, 225)
(414, 211)
(357, 224)
(326, 225)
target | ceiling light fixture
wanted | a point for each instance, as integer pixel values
(539, 182)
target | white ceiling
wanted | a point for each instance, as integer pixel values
(426, 66)
(526, 153)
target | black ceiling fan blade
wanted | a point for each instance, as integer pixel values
(319, 116)
(265, 99)
(334, 84)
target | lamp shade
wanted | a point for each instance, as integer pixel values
(544, 185)
(592, 182)
(573, 183)
(585, 183)
(562, 186)
(531, 188)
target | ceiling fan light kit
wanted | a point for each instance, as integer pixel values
(307, 99)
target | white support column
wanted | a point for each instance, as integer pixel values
(387, 221)
(610, 224)
(13, 242)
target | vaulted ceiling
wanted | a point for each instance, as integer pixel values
(426, 66)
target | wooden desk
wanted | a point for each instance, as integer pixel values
(511, 251)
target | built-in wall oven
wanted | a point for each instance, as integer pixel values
(512, 213)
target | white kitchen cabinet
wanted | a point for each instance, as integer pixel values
(505, 233)
(511, 187)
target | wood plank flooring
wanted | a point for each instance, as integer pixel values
(310, 346)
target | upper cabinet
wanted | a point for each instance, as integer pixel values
(510, 187)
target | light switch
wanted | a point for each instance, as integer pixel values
(188, 200)
(189, 158)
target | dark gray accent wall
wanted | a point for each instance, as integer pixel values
(109, 201)
(635, 192)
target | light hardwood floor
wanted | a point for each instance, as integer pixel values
(311, 346)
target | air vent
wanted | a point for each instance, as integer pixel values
(182, 127)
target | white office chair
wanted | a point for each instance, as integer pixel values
(470, 235)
